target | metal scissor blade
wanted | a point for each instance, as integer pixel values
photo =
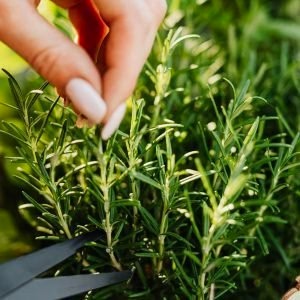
(65, 286)
(22, 269)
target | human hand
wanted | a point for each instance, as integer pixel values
(88, 73)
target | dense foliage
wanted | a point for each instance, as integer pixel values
(198, 190)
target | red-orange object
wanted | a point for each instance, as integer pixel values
(89, 25)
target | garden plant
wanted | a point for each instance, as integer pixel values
(198, 191)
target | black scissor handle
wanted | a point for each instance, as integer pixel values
(65, 286)
(17, 277)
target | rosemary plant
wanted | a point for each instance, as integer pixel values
(185, 193)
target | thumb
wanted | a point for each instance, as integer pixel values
(56, 58)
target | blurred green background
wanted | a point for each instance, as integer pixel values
(12, 239)
(16, 235)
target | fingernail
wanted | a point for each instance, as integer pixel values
(86, 100)
(114, 122)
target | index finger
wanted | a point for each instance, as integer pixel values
(124, 52)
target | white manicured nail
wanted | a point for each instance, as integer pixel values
(86, 100)
(114, 122)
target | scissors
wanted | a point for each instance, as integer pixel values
(18, 277)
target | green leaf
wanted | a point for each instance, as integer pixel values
(242, 93)
(262, 242)
(46, 119)
(15, 137)
(146, 179)
(123, 203)
(36, 94)
(10, 106)
(179, 238)
(13, 129)
(150, 223)
(15, 89)
(147, 254)
(34, 203)
(182, 272)
(62, 136)
(193, 257)
(96, 222)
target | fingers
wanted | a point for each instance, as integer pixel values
(52, 55)
(124, 51)
(89, 25)
(123, 55)
(72, 69)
